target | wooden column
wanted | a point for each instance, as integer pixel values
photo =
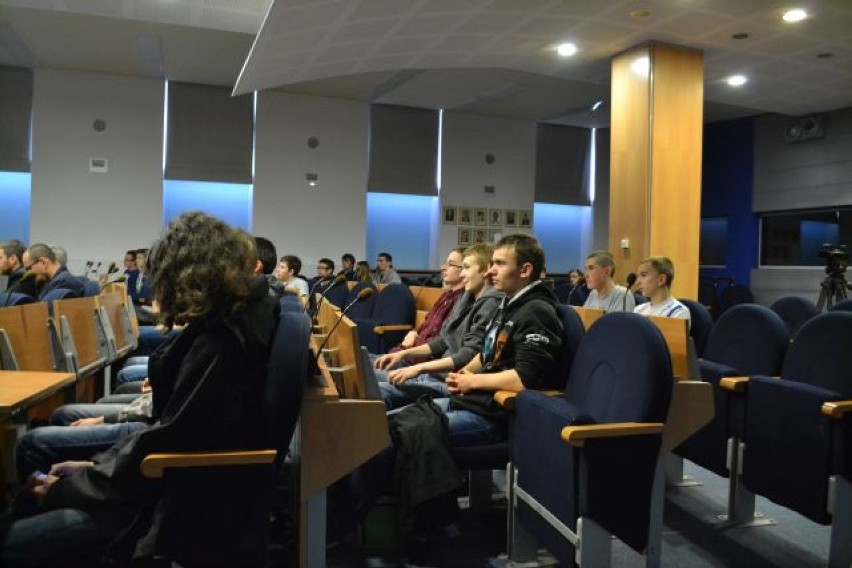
(655, 161)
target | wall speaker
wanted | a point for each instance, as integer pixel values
(804, 129)
(99, 125)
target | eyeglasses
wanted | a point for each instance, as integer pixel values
(451, 265)
(321, 267)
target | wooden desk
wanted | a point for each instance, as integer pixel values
(19, 391)
(334, 437)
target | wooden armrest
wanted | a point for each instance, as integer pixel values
(577, 435)
(153, 464)
(506, 398)
(736, 384)
(380, 329)
(837, 408)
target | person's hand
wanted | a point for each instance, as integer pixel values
(399, 376)
(40, 483)
(461, 382)
(69, 467)
(388, 360)
(146, 386)
(93, 421)
(409, 339)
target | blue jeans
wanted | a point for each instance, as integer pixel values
(68, 413)
(397, 396)
(64, 537)
(40, 448)
(470, 429)
(131, 373)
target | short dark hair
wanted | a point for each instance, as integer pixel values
(13, 247)
(293, 262)
(39, 250)
(266, 254)
(386, 256)
(328, 262)
(527, 249)
(200, 267)
(348, 257)
(131, 253)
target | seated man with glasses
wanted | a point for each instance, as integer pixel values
(41, 259)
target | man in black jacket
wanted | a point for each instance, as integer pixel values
(519, 347)
(11, 264)
(41, 259)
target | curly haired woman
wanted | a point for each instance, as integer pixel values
(207, 384)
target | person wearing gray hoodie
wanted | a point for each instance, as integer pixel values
(460, 339)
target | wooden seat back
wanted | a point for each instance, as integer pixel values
(116, 314)
(343, 347)
(676, 333)
(27, 329)
(588, 315)
(81, 317)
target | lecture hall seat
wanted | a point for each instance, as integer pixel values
(797, 432)
(795, 311)
(587, 463)
(218, 515)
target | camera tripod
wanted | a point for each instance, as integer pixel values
(833, 290)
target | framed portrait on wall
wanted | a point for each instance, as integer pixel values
(465, 216)
(464, 237)
(450, 215)
(480, 217)
(495, 217)
(494, 235)
(510, 219)
(525, 218)
(480, 236)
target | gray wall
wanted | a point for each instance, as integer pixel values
(811, 174)
(806, 175)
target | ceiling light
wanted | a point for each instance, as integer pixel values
(737, 80)
(566, 49)
(794, 15)
(597, 105)
(641, 66)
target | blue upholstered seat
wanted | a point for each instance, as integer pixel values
(746, 340)
(15, 299)
(394, 305)
(364, 308)
(792, 451)
(795, 311)
(219, 515)
(701, 323)
(842, 306)
(621, 373)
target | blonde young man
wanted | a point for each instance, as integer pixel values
(656, 274)
(605, 293)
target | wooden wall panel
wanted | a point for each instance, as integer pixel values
(655, 162)
(677, 120)
(629, 162)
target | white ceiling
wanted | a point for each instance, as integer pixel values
(486, 56)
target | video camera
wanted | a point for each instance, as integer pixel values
(836, 259)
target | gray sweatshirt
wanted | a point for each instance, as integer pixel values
(462, 332)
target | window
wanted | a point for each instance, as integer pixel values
(795, 238)
(713, 243)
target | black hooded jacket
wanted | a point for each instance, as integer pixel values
(525, 335)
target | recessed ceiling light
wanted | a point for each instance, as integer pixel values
(737, 80)
(741, 35)
(597, 105)
(566, 49)
(794, 15)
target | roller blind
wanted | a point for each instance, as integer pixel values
(209, 134)
(561, 153)
(403, 150)
(16, 101)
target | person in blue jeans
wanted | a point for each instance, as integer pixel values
(201, 273)
(518, 350)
